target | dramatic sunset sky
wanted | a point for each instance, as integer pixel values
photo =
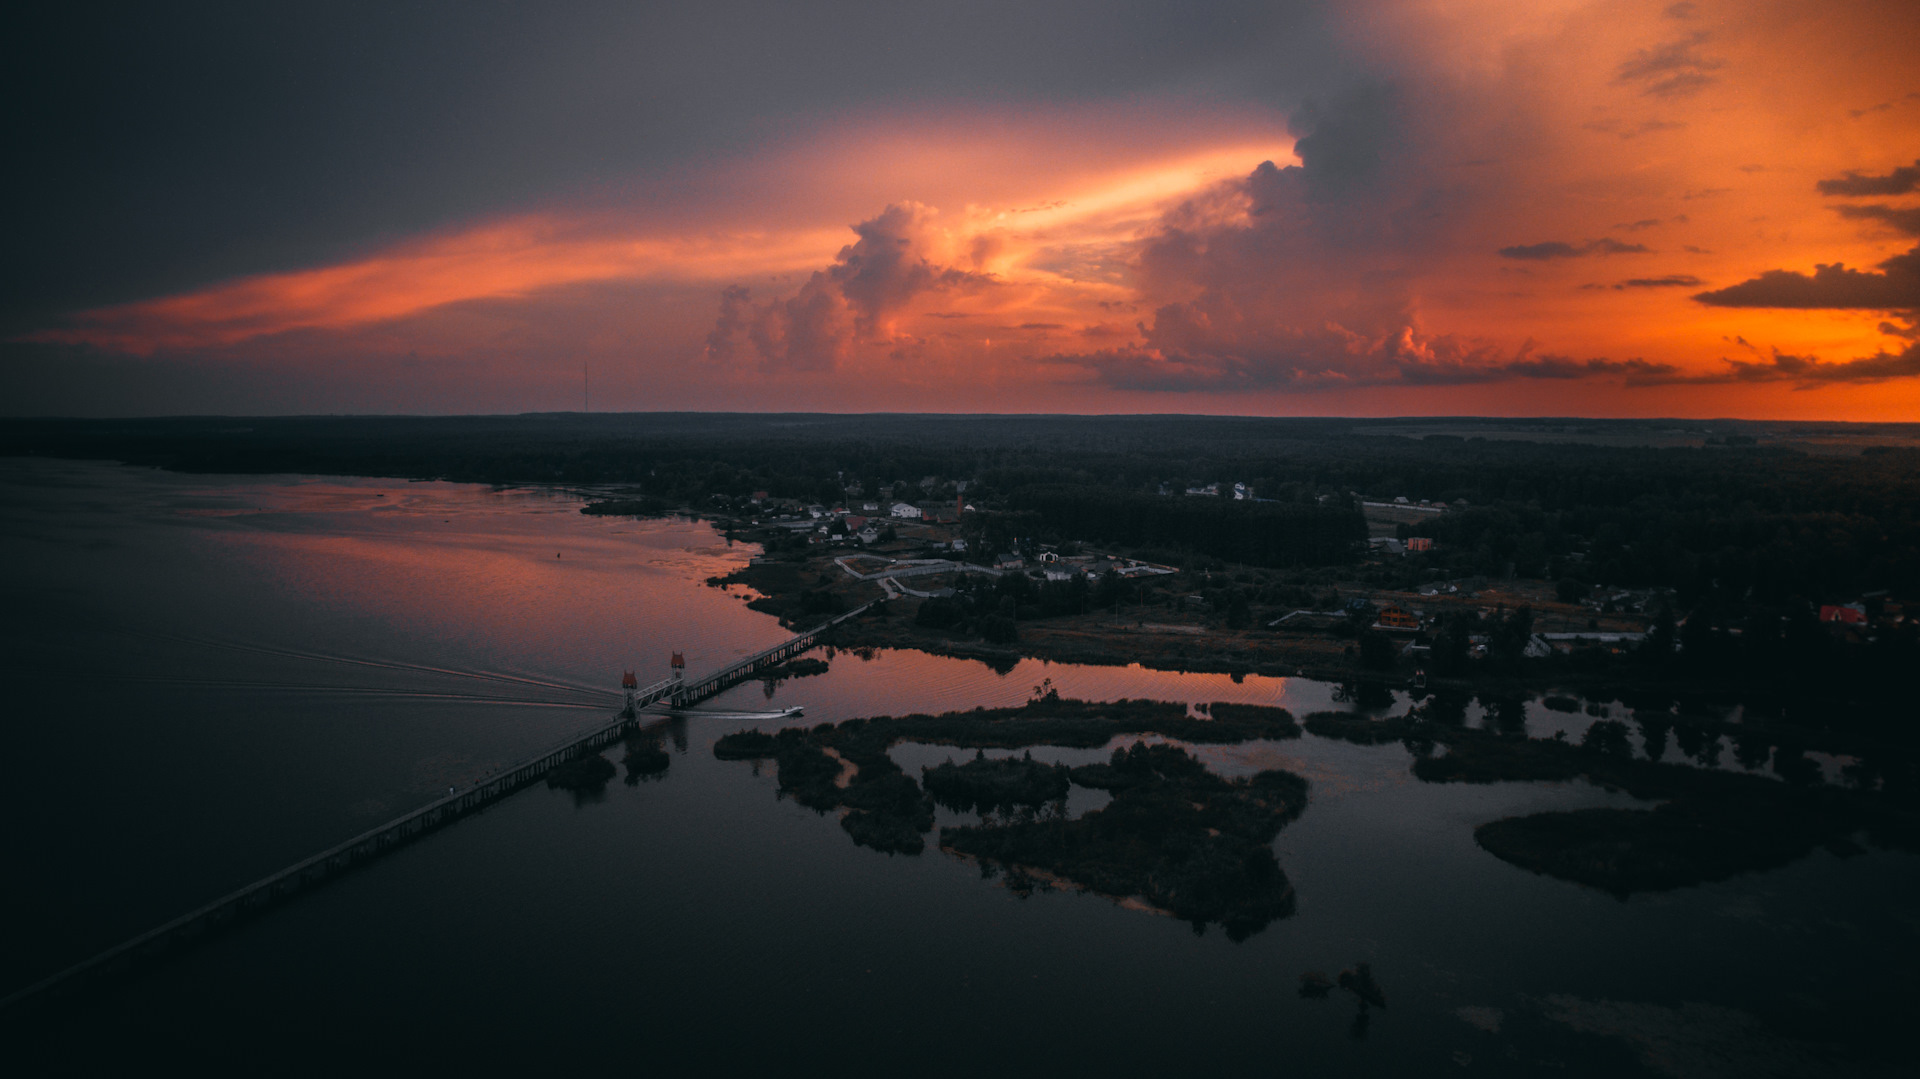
(1633, 208)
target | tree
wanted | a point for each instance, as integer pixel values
(937, 613)
(1376, 650)
(1239, 615)
(999, 629)
(1608, 737)
(1451, 647)
(1507, 643)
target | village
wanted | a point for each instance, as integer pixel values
(823, 557)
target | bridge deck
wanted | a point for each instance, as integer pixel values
(437, 814)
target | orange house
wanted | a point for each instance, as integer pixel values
(1396, 618)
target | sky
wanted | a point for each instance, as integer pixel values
(1374, 207)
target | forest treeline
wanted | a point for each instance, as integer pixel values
(1256, 533)
(1721, 524)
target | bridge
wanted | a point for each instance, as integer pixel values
(332, 862)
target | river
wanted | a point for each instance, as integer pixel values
(210, 677)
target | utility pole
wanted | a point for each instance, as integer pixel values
(586, 389)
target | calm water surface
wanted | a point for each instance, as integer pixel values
(211, 677)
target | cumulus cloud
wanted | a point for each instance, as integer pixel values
(1830, 286)
(1673, 70)
(1853, 184)
(871, 280)
(1307, 278)
(1299, 276)
(1560, 249)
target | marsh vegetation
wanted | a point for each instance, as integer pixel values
(1175, 836)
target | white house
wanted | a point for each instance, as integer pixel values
(906, 510)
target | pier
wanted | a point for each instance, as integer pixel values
(302, 876)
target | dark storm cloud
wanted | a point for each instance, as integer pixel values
(1677, 280)
(1308, 290)
(1830, 286)
(1560, 249)
(1675, 69)
(1806, 372)
(1319, 365)
(1897, 182)
(158, 147)
(1341, 145)
(1551, 249)
(1902, 218)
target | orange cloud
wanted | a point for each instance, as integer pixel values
(503, 260)
(1518, 216)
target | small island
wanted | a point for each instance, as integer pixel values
(1175, 838)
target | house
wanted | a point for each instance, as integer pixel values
(959, 545)
(1212, 489)
(906, 511)
(1419, 543)
(816, 512)
(1852, 614)
(761, 496)
(1398, 618)
(855, 522)
(869, 535)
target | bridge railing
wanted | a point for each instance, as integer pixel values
(342, 856)
(693, 691)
